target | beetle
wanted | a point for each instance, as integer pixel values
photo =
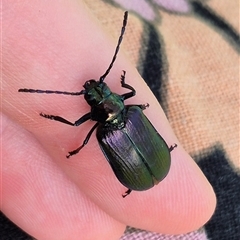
(138, 155)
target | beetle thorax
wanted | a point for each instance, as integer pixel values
(109, 110)
(106, 107)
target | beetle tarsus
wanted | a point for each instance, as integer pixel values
(144, 106)
(127, 193)
(172, 147)
(74, 151)
(79, 148)
(123, 77)
(127, 86)
(45, 115)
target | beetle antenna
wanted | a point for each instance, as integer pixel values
(50, 91)
(101, 79)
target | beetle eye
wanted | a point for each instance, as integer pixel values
(88, 84)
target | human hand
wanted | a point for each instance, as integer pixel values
(59, 46)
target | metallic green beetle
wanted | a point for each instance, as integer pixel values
(138, 155)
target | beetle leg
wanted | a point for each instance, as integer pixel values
(124, 85)
(144, 106)
(81, 120)
(172, 147)
(126, 193)
(84, 142)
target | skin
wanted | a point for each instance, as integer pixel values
(59, 46)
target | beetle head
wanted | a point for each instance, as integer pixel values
(95, 92)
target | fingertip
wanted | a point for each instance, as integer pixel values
(190, 196)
